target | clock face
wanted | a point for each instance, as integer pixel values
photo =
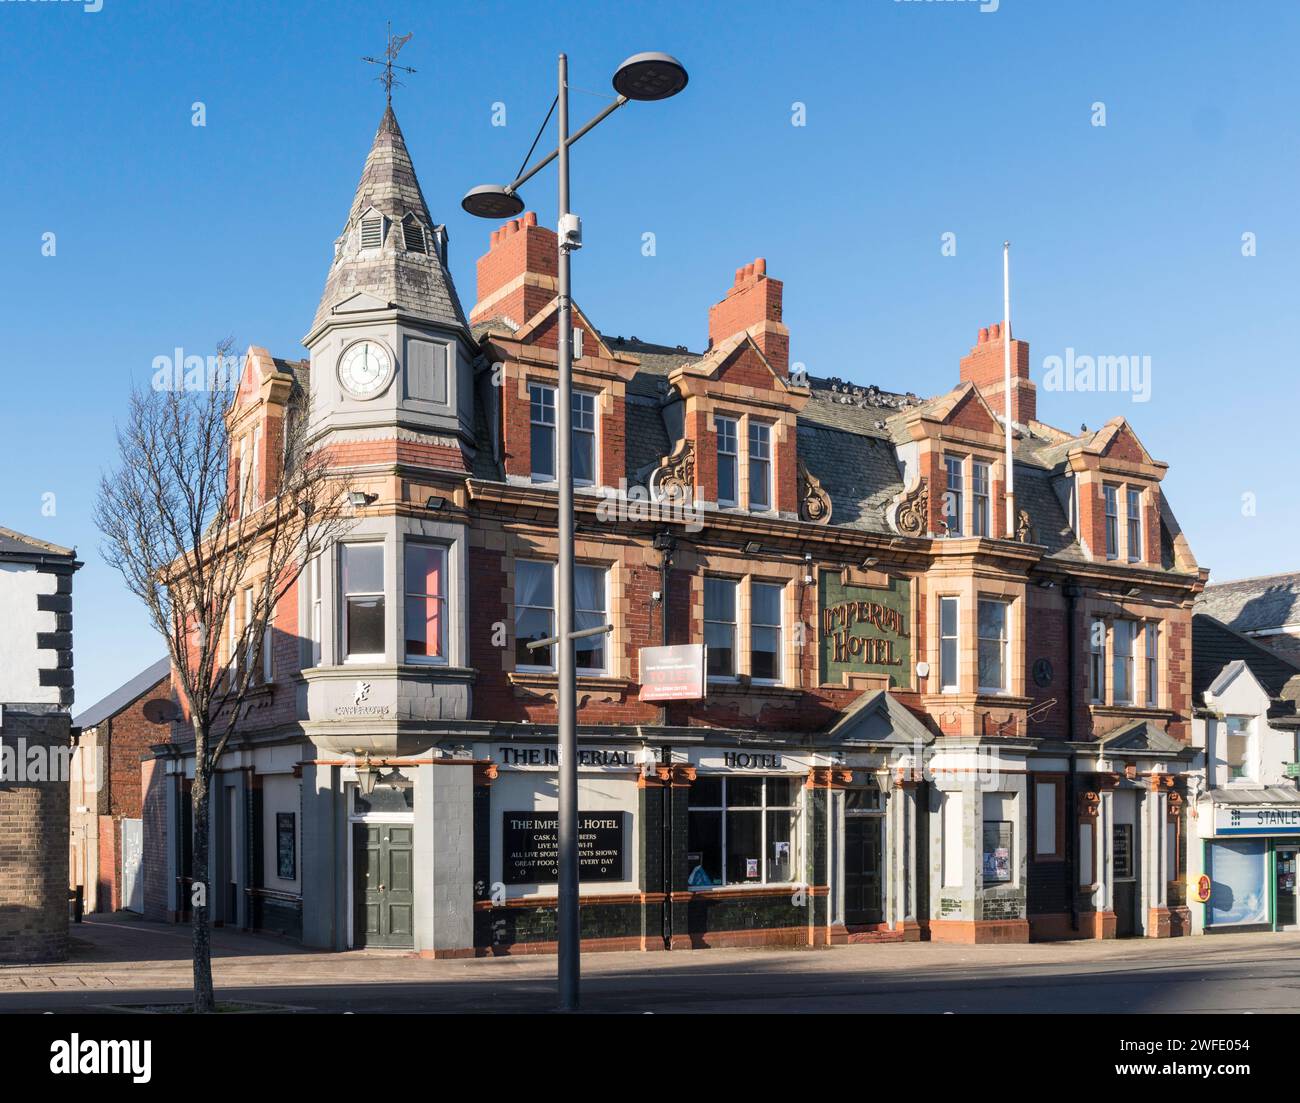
(366, 369)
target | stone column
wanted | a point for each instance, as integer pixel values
(444, 859)
(324, 864)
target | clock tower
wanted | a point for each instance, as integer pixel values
(391, 351)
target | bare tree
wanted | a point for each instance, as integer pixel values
(207, 541)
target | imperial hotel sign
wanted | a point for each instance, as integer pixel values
(864, 629)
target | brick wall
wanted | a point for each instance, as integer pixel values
(34, 852)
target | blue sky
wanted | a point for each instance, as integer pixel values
(921, 119)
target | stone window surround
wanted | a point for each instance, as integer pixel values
(778, 436)
(997, 478)
(1093, 609)
(587, 552)
(968, 589)
(787, 575)
(392, 532)
(601, 410)
(609, 401)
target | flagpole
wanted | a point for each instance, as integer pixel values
(1006, 386)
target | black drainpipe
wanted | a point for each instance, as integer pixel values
(1071, 818)
(664, 543)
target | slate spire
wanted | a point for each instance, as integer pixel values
(405, 265)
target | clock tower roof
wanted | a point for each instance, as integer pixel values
(390, 248)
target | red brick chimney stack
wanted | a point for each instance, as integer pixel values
(983, 367)
(753, 304)
(517, 275)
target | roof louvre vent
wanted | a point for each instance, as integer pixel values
(372, 231)
(413, 235)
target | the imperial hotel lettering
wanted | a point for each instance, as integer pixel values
(837, 625)
(550, 756)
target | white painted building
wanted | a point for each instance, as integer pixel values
(1245, 800)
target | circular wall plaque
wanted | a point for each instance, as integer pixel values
(1043, 672)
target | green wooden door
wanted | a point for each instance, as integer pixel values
(383, 889)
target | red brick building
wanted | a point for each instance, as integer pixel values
(114, 740)
(917, 723)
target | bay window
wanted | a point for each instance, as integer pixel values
(948, 648)
(760, 466)
(720, 626)
(314, 609)
(765, 631)
(728, 460)
(426, 603)
(993, 649)
(362, 593)
(742, 830)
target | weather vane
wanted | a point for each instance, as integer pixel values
(388, 61)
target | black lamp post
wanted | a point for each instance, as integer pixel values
(647, 76)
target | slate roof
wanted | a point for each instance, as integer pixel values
(411, 281)
(14, 545)
(124, 695)
(1253, 604)
(1215, 645)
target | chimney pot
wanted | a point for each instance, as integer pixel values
(983, 336)
(530, 218)
(760, 267)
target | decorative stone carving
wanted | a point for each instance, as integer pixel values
(675, 480)
(1024, 528)
(912, 514)
(814, 502)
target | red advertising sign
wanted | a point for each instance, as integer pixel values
(673, 673)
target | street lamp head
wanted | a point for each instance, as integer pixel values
(650, 76)
(492, 201)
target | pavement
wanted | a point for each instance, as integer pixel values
(120, 962)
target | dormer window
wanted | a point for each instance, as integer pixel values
(413, 235)
(954, 495)
(1110, 495)
(372, 230)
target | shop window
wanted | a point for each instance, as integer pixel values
(1124, 633)
(948, 645)
(1152, 635)
(997, 851)
(426, 603)
(1134, 500)
(1097, 662)
(1239, 875)
(993, 646)
(1237, 747)
(760, 466)
(765, 631)
(742, 830)
(728, 460)
(980, 498)
(1110, 496)
(363, 602)
(720, 626)
(953, 496)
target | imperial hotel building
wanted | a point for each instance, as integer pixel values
(912, 726)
